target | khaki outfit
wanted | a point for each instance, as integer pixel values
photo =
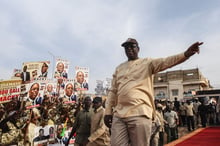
(131, 94)
(99, 132)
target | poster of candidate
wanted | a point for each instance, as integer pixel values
(61, 69)
(44, 135)
(35, 91)
(69, 93)
(32, 70)
(81, 78)
(51, 90)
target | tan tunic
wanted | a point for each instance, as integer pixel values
(99, 132)
(131, 93)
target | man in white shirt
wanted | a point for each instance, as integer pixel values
(190, 115)
(172, 121)
(196, 104)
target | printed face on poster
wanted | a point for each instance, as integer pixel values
(44, 135)
(33, 92)
(69, 87)
(81, 78)
(61, 69)
(32, 70)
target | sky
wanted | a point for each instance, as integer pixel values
(89, 33)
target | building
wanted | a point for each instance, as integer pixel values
(182, 84)
(208, 96)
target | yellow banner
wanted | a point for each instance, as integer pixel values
(9, 89)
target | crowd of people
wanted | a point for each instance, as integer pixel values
(86, 121)
(130, 116)
(190, 115)
(21, 119)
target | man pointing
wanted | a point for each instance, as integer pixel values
(130, 103)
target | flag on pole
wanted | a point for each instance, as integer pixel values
(64, 128)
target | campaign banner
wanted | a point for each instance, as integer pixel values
(62, 84)
(61, 68)
(44, 135)
(69, 93)
(50, 88)
(42, 85)
(32, 70)
(81, 78)
(9, 89)
(33, 92)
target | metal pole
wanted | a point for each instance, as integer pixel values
(53, 70)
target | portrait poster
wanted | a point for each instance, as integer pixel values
(34, 93)
(50, 88)
(43, 135)
(81, 78)
(61, 68)
(69, 93)
(52, 134)
(38, 69)
(42, 82)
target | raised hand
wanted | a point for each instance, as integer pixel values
(194, 48)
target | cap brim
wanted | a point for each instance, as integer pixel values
(126, 43)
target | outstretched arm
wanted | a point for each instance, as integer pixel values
(161, 64)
